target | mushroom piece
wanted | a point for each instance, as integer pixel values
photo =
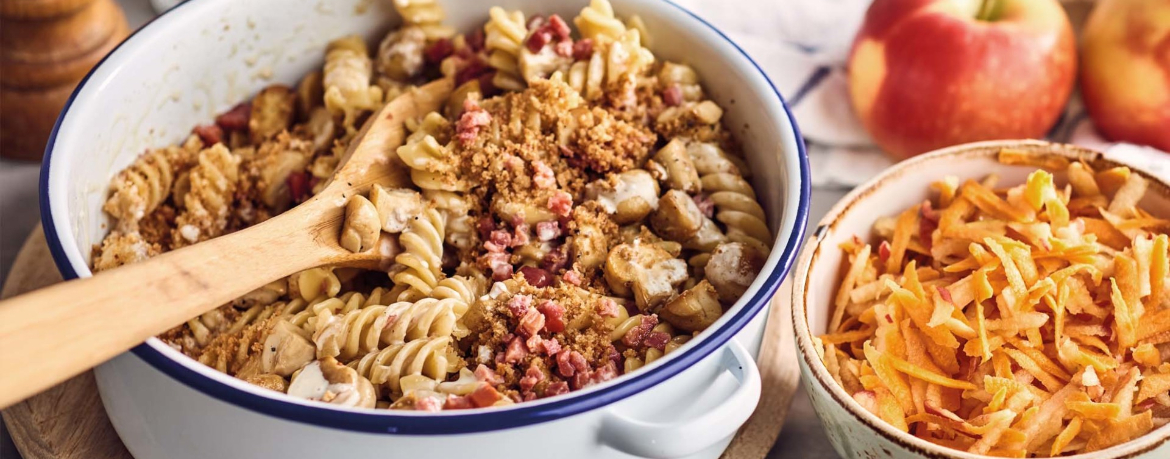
(286, 349)
(679, 168)
(732, 268)
(400, 55)
(678, 218)
(629, 196)
(396, 207)
(694, 310)
(646, 271)
(329, 381)
(361, 228)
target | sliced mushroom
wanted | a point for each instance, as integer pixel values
(400, 55)
(329, 381)
(396, 207)
(629, 196)
(361, 228)
(286, 349)
(732, 268)
(678, 218)
(679, 168)
(646, 271)
(694, 310)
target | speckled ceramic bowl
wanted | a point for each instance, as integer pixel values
(855, 432)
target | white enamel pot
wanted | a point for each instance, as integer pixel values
(204, 56)
(853, 431)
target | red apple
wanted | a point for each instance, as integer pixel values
(1125, 79)
(924, 74)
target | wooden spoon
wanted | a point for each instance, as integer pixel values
(52, 334)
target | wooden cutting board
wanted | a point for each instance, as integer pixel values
(68, 421)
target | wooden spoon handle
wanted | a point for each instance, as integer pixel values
(52, 334)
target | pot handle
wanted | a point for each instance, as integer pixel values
(689, 436)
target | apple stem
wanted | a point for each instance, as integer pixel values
(989, 10)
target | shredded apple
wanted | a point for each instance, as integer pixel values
(1029, 321)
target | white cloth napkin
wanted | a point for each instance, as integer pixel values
(803, 45)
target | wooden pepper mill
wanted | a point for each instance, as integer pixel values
(46, 48)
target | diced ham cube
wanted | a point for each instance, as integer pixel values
(531, 378)
(543, 176)
(603, 374)
(235, 119)
(570, 362)
(536, 277)
(636, 335)
(520, 235)
(299, 186)
(485, 226)
(550, 347)
(209, 134)
(515, 351)
(556, 259)
(672, 96)
(531, 323)
(487, 375)
(537, 40)
(607, 308)
(572, 277)
(558, 27)
(473, 118)
(583, 49)
(561, 203)
(656, 340)
(439, 50)
(556, 388)
(547, 231)
(554, 316)
(484, 396)
(519, 304)
(498, 240)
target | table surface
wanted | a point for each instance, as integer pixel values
(802, 436)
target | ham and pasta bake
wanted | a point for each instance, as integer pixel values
(577, 211)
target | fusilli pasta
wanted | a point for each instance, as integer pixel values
(348, 71)
(504, 34)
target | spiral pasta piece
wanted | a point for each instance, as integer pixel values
(348, 71)
(431, 358)
(611, 62)
(425, 318)
(597, 22)
(735, 200)
(213, 183)
(504, 39)
(353, 334)
(425, 154)
(140, 188)
(419, 265)
(426, 14)
(226, 343)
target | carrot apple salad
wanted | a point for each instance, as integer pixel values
(1023, 321)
